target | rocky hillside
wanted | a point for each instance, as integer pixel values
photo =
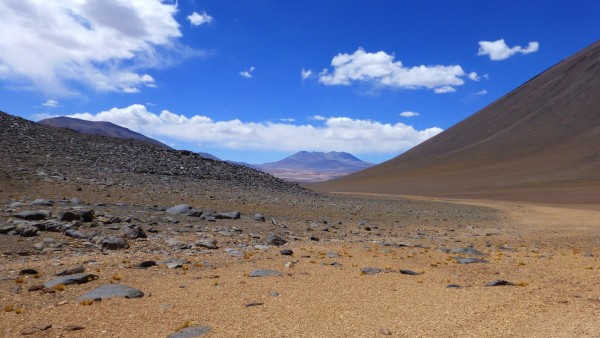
(29, 150)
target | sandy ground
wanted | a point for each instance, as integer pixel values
(550, 252)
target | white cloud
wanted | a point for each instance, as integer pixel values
(247, 73)
(50, 103)
(318, 118)
(481, 92)
(288, 119)
(306, 73)
(473, 76)
(380, 69)
(409, 114)
(499, 50)
(102, 45)
(198, 19)
(444, 89)
(336, 133)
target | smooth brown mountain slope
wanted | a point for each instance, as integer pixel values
(540, 142)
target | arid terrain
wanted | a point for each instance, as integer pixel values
(335, 265)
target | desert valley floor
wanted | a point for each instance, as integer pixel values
(358, 266)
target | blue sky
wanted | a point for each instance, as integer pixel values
(256, 81)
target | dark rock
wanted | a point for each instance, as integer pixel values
(332, 254)
(286, 252)
(69, 216)
(173, 263)
(146, 264)
(74, 328)
(469, 250)
(79, 233)
(72, 271)
(35, 329)
(176, 243)
(26, 230)
(113, 243)
(190, 332)
(88, 216)
(7, 228)
(79, 278)
(500, 282)
(33, 215)
(133, 232)
(259, 218)
(274, 239)
(41, 202)
(314, 239)
(28, 272)
(253, 304)
(454, 286)
(112, 291)
(209, 243)
(469, 260)
(409, 272)
(181, 209)
(370, 271)
(53, 226)
(230, 215)
(264, 273)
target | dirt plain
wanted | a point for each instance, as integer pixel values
(549, 252)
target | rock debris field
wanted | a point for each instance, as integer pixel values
(101, 237)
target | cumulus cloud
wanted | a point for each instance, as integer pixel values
(380, 69)
(50, 103)
(306, 73)
(473, 76)
(288, 119)
(55, 46)
(498, 50)
(199, 19)
(481, 92)
(247, 73)
(409, 114)
(336, 133)
(444, 89)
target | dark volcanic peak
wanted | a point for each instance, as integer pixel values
(29, 150)
(319, 161)
(98, 128)
(539, 142)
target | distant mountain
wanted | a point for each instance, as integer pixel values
(210, 156)
(98, 128)
(540, 142)
(307, 166)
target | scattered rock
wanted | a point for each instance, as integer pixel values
(113, 243)
(264, 273)
(409, 272)
(173, 263)
(69, 216)
(79, 278)
(469, 260)
(469, 250)
(7, 228)
(500, 282)
(230, 215)
(28, 272)
(253, 304)
(209, 243)
(274, 239)
(74, 328)
(35, 329)
(40, 202)
(26, 230)
(385, 331)
(370, 271)
(88, 216)
(259, 218)
(286, 252)
(33, 215)
(146, 264)
(454, 286)
(133, 232)
(112, 291)
(72, 271)
(181, 209)
(176, 243)
(190, 332)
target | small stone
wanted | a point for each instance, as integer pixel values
(274, 239)
(500, 282)
(209, 243)
(409, 272)
(259, 218)
(72, 271)
(264, 273)
(41, 202)
(286, 252)
(385, 331)
(469, 260)
(26, 230)
(454, 286)
(69, 216)
(88, 216)
(112, 291)
(113, 243)
(35, 329)
(190, 332)
(79, 278)
(28, 272)
(176, 243)
(173, 263)
(33, 215)
(134, 232)
(7, 228)
(274, 294)
(370, 271)
(332, 254)
(253, 304)
(181, 209)
(230, 215)
(74, 328)
(261, 247)
(468, 250)
(146, 264)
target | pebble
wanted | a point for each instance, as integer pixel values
(112, 291)
(113, 243)
(454, 286)
(77, 269)
(259, 218)
(409, 272)
(286, 252)
(276, 240)
(469, 260)
(230, 215)
(28, 272)
(264, 273)
(190, 332)
(500, 282)
(146, 264)
(209, 243)
(370, 271)
(173, 263)
(79, 278)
